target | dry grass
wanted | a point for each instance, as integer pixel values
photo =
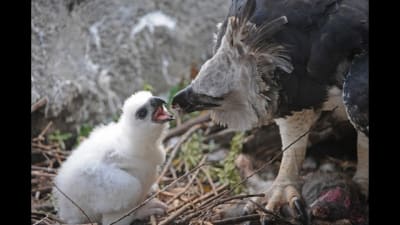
(191, 193)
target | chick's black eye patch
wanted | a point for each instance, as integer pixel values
(141, 113)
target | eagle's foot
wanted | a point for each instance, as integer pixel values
(279, 195)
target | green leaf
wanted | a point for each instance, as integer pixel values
(60, 138)
(147, 87)
(85, 130)
(228, 174)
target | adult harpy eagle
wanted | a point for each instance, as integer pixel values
(286, 61)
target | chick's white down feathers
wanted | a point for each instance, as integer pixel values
(113, 170)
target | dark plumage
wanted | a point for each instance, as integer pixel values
(286, 61)
(356, 95)
(320, 35)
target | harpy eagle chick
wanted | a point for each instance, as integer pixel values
(113, 170)
(285, 62)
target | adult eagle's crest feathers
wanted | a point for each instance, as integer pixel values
(287, 61)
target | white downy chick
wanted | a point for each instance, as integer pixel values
(112, 171)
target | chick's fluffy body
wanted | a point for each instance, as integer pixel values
(113, 170)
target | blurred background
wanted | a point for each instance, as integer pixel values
(89, 55)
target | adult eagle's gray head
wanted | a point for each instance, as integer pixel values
(238, 83)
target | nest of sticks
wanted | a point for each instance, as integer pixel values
(192, 195)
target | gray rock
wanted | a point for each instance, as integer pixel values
(89, 55)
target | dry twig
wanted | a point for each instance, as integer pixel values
(42, 102)
(155, 194)
(178, 130)
(234, 220)
(175, 150)
(187, 185)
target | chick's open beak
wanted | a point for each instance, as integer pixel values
(160, 114)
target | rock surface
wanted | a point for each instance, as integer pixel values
(88, 56)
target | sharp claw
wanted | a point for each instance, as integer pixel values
(302, 214)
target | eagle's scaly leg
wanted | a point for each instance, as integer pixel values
(361, 176)
(286, 185)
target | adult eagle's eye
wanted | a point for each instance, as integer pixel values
(141, 113)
